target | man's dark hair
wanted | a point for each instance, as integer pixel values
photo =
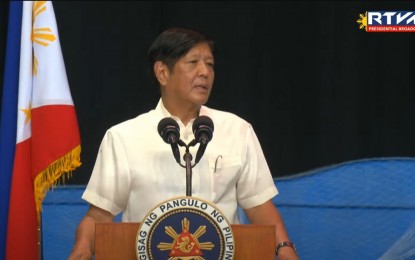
(172, 44)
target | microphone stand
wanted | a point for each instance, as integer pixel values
(169, 131)
(187, 157)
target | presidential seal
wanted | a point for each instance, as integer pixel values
(185, 228)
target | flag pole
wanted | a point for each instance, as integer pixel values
(39, 238)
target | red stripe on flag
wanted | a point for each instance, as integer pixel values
(54, 133)
(22, 233)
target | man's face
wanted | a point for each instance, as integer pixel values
(192, 77)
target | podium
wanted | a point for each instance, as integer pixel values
(117, 241)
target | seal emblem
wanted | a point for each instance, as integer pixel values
(184, 228)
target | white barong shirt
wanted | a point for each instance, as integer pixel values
(135, 169)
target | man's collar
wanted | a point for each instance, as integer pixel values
(165, 113)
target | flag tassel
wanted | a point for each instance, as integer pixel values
(58, 170)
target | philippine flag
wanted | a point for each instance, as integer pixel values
(47, 146)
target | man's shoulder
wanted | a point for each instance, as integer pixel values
(223, 116)
(138, 122)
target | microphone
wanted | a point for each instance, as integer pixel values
(169, 131)
(203, 131)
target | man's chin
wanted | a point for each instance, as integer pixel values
(201, 99)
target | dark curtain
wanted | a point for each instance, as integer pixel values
(317, 89)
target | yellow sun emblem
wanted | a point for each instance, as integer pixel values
(186, 246)
(42, 36)
(362, 21)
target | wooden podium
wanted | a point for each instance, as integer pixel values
(117, 241)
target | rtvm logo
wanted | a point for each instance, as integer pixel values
(387, 21)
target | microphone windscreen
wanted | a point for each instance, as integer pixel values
(203, 124)
(166, 126)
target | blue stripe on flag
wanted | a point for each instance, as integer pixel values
(8, 119)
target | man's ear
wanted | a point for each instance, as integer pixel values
(162, 72)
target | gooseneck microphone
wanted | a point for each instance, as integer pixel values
(169, 131)
(203, 131)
